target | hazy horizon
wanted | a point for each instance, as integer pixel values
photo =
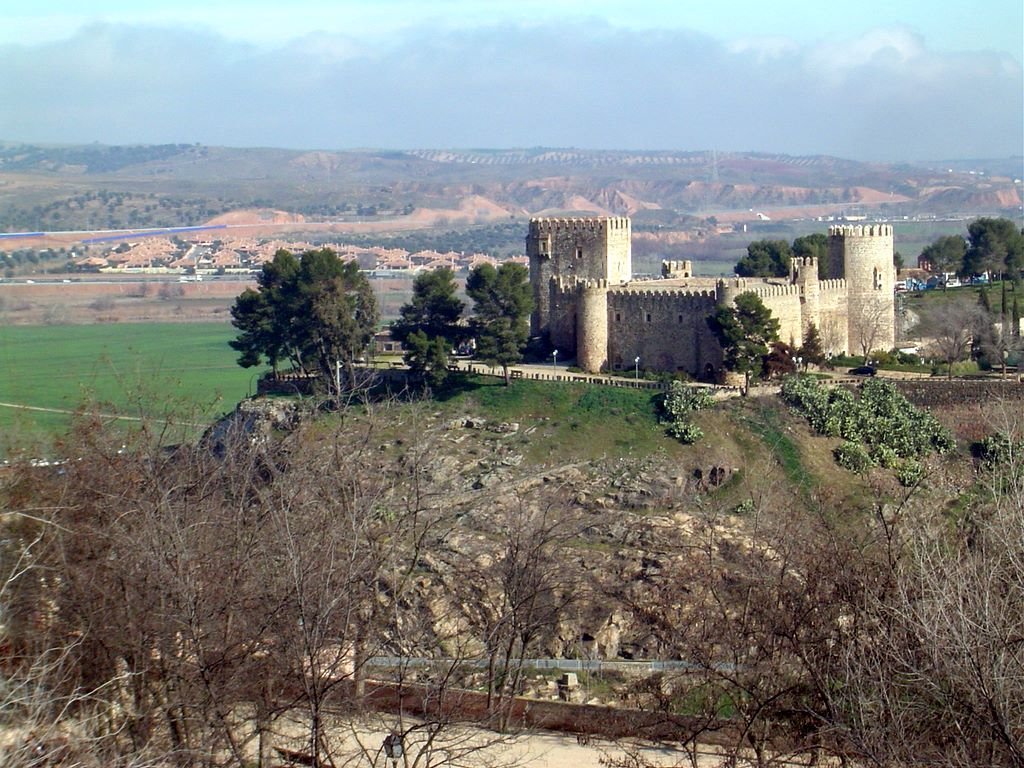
(868, 81)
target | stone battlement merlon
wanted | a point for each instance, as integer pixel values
(860, 230)
(570, 286)
(547, 226)
(676, 292)
(835, 285)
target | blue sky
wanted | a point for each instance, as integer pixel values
(867, 80)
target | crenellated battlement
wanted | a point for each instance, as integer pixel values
(771, 290)
(571, 285)
(673, 293)
(551, 226)
(835, 286)
(860, 230)
(733, 287)
(664, 303)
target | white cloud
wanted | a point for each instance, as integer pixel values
(879, 96)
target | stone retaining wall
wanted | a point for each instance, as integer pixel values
(939, 393)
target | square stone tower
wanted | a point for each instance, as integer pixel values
(584, 249)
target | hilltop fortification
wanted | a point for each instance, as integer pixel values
(587, 304)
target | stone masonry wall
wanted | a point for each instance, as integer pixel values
(583, 249)
(666, 329)
(936, 393)
(831, 320)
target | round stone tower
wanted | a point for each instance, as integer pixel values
(592, 326)
(803, 271)
(863, 255)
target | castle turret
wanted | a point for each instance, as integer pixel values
(592, 327)
(674, 269)
(863, 255)
(803, 272)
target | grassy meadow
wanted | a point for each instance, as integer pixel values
(137, 370)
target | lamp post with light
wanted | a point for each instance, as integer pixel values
(393, 748)
(554, 361)
(636, 369)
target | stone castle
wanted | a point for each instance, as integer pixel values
(587, 303)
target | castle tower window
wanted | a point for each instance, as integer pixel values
(579, 252)
(680, 319)
(648, 316)
(618, 317)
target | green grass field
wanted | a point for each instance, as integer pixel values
(140, 370)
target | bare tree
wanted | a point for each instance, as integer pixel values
(868, 322)
(953, 329)
(514, 596)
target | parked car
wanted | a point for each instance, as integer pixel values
(863, 370)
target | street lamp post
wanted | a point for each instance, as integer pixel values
(554, 361)
(1006, 354)
(799, 362)
(636, 369)
(393, 748)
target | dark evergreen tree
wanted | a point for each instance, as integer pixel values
(946, 254)
(983, 300)
(502, 303)
(434, 309)
(765, 258)
(744, 330)
(996, 245)
(811, 350)
(428, 326)
(318, 312)
(427, 358)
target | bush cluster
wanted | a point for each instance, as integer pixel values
(881, 427)
(677, 404)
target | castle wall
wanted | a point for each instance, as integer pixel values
(583, 249)
(666, 329)
(782, 299)
(831, 321)
(562, 315)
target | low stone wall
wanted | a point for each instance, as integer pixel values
(943, 393)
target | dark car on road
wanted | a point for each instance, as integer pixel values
(864, 370)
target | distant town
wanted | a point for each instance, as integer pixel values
(245, 256)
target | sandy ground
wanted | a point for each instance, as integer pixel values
(361, 745)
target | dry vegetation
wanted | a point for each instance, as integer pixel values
(202, 605)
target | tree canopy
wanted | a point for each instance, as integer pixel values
(316, 312)
(815, 245)
(745, 330)
(502, 303)
(765, 258)
(428, 326)
(946, 254)
(434, 308)
(996, 245)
